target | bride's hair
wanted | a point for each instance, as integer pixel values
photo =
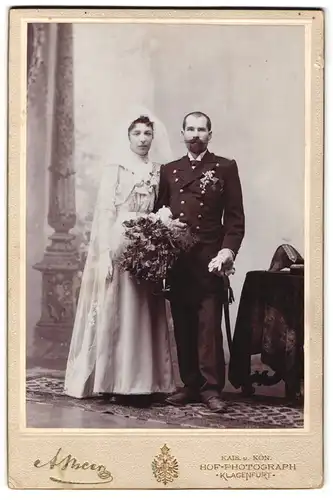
(142, 119)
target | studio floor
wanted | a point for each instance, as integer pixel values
(48, 407)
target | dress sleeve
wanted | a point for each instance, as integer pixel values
(105, 211)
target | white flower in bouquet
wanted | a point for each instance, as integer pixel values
(164, 214)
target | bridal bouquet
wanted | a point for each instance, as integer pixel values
(153, 246)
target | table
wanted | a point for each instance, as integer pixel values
(270, 322)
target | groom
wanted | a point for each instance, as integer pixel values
(201, 188)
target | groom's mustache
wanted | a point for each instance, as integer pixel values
(195, 140)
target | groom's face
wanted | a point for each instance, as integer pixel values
(196, 134)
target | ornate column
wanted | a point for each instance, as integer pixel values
(36, 160)
(59, 264)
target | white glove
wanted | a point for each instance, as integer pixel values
(223, 263)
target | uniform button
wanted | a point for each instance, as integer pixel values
(202, 192)
(199, 216)
(181, 215)
(174, 171)
(201, 204)
(182, 202)
(176, 180)
(181, 190)
(198, 227)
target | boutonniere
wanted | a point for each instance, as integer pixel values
(208, 178)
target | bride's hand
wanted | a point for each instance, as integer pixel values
(109, 273)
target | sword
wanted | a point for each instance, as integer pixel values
(230, 300)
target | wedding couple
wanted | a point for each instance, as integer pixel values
(120, 344)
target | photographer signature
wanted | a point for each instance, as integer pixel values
(70, 462)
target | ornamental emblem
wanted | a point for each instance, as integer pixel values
(165, 466)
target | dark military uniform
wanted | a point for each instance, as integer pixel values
(202, 195)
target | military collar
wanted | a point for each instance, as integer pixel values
(199, 158)
(183, 173)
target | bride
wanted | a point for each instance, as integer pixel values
(120, 342)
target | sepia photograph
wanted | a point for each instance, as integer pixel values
(165, 243)
(166, 255)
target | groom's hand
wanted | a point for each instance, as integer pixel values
(177, 224)
(223, 263)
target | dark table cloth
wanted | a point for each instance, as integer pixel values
(270, 322)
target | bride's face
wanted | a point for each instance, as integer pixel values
(140, 138)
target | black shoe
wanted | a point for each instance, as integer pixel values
(182, 398)
(215, 404)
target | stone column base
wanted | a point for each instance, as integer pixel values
(51, 346)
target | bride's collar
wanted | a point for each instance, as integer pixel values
(138, 164)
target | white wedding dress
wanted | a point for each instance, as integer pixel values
(120, 342)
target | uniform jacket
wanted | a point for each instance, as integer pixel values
(209, 199)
